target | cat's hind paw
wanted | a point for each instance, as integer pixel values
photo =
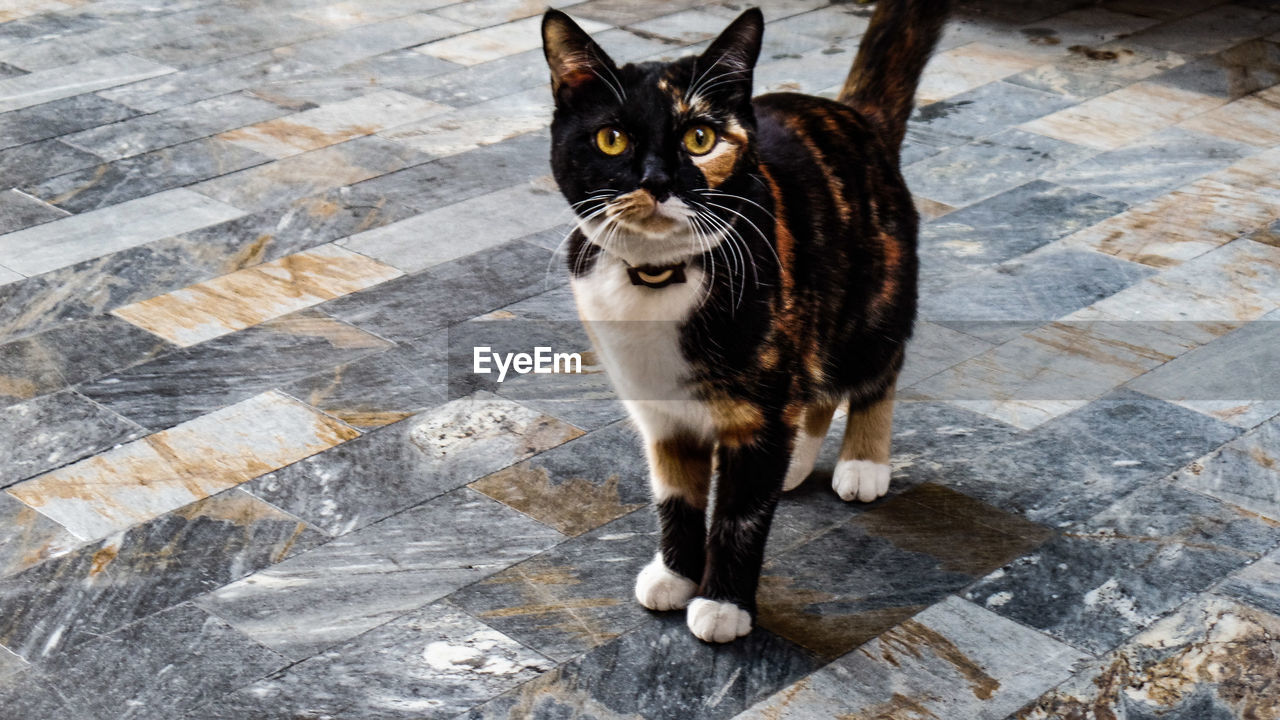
(861, 479)
(658, 588)
(718, 622)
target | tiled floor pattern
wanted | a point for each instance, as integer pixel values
(242, 243)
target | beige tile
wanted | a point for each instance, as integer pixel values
(496, 42)
(1123, 116)
(331, 124)
(1179, 226)
(169, 469)
(350, 13)
(477, 125)
(1254, 119)
(257, 294)
(931, 209)
(967, 67)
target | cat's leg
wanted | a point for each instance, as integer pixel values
(750, 481)
(813, 430)
(863, 469)
(680, 475)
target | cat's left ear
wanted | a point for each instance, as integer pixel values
(574, 58)
(738, 47)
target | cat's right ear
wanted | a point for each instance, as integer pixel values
(574, 58)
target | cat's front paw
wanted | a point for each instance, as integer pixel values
(718, 622)
(658, 588)
(861, 479)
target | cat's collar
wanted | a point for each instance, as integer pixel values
(656, 276)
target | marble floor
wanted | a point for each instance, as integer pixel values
(246, 249)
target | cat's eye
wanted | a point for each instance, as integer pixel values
(699, 140)
(612, 141)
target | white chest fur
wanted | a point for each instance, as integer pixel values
(636, 330)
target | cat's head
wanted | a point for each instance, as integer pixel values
(640, 150)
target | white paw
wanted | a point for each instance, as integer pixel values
(717, 621)
(657, 588)
(802, 460)
(861, 479)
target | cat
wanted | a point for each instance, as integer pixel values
(743, 267)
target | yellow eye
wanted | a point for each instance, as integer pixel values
(612, 141)
(699, 140)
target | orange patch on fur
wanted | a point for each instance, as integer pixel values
(683, 466)
(737, 421)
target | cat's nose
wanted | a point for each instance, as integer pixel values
(656, 180)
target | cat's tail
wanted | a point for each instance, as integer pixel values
(893, 53)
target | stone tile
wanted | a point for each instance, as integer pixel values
(1252, 119)
(1094, 69)
(952, 660)
(174, 126)
(1211, 30)
(492, 43)
(574, 597)
(359, 581)
(485, 13)
(1162, 161)
(644, 674)
(865, 575)
(27, 538)
(1258, 584)
(686, 27)
(254, 295)
(1213, 658)
(1012, 223)
(997, 304)
(624, 12)
(10, 664)
(309, 173)
(477, 125)
(93, 287)
(251, 30)
(578, 486)
(54, 430)
(453, 231)
(400, 70)
(450, 180)
(93, 590)
(1242, 473)
(365, 41)
(986, 167)
(980, 112)
(352, 13)
(333, 123)
(405, 463)
(37, 161)
(428, 301)
(97, 74)
(137, 481)
(19, 210)
(1230, 74)
(69, 354)
(1071, 467)
(8, 276)
(435, 662)
(91, 235)
(200, 83)
(1117, 573)
(191, 382)
(164, 664)
(1124, 116)
(123, 180)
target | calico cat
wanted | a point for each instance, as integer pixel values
(743, 266)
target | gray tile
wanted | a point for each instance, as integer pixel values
(982, 112)
(175, 125)
(196, 380)
(54, 430)
(96, 74)
(426, 302)
(1232, 73)
(10, 664)
(373, 575)
(1244, 472)
(1152, 166)
(434, 663)
(935, 348)
(133, 177)
(405, 463)
(1211, 30)
(198, 83)
(51, 119)
(27, 538)
(647, 673)
(364, 41)
(96, 589)
(952, 660)
(159, 666)
(72, 353)
(251, 30)
(1258, 584)
(37, 161)
(19, 210)
(1118, 572)
(982, 168)
(402, 70)
(1012, 223)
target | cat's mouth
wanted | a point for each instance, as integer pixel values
(639, 210)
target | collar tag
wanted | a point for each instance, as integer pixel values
(656, 276)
